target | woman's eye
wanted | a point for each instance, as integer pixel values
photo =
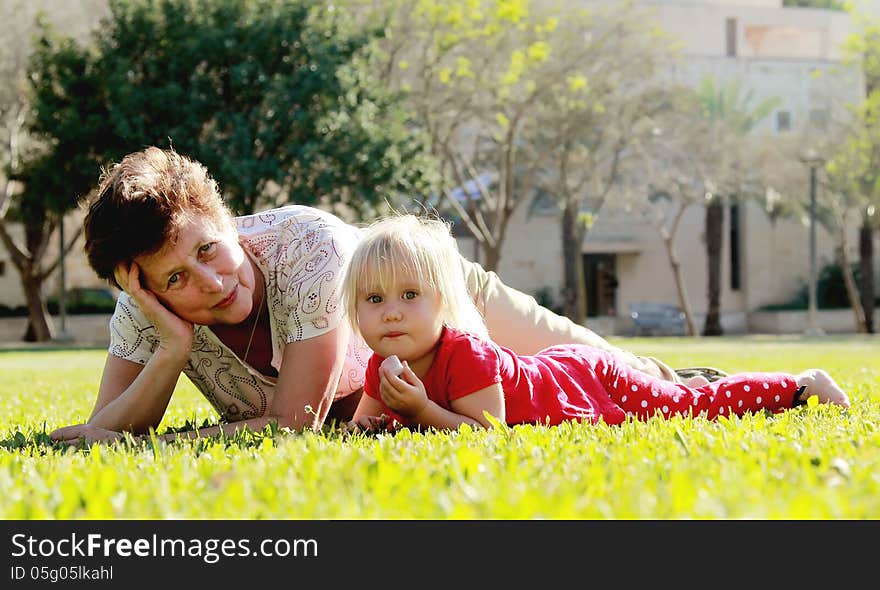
(374, 299)
(410, 295)
(207, 247)
(174, 279)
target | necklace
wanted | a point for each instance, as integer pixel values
(254, 328)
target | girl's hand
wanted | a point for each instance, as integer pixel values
(406, 394)
(78, 433)
(175, 333)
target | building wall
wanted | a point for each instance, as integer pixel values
(790, 53)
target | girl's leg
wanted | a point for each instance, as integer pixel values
(643, 396)
(516, 321)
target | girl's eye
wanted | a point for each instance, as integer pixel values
(374, 299)
(410, 294)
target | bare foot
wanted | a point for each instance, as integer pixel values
(820, 384)
(696, 381)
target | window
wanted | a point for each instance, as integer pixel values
(731, 37)
(783, 121)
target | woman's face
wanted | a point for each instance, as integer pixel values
(204, 276)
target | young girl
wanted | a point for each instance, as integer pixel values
(405, 295)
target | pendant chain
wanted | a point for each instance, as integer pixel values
(254, 328)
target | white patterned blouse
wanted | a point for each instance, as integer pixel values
(301, 252)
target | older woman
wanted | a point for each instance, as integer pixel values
(247, 307)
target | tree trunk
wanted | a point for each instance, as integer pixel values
(850, 284)
(492, 256)
(866, 270)
(714, 239)
(573, 294)
(39, 321)
(683, 298)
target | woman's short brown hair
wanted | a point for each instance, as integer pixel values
(140, 204)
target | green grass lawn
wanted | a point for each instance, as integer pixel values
(813, 462)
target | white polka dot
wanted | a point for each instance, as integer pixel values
(727, 393)
(766, 386)
(655, 393)
(711, 399)
(759, 399)
(696, 401)
(623, 399)
(776, 399)
(665, 409)
(634, 387)
(721, 410)
(740, 404)
(605, 370)
(747, 388)
(644, 403)
(675, 399)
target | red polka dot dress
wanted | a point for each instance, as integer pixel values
(643, 396)
(579, 382)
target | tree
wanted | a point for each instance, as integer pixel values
(592, 122)
(521, 98)
(270, 95)
(29, 255)
(472, 72)
(855, 185)
(679, 159)
(864, 48)
(733, 110)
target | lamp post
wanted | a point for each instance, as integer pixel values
(814, 161)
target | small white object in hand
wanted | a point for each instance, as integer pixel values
(393, 364)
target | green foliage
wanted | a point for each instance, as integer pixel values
(830, 290)
(809, 463)
(269, 94)
(730, 104)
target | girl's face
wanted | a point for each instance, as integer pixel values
(204, 277)
(405, 320)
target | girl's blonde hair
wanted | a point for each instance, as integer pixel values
(419, 247)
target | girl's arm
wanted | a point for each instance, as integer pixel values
(468, 409)
(406, 395)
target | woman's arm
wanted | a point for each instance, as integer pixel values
(134, 397)
(309, 378)
(310, 371)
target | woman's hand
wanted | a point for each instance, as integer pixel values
(372, 424)
(175, 333)
(78, 433)
(405, 394)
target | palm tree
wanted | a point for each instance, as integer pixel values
(729, 107)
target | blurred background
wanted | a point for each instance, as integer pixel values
(701, 167)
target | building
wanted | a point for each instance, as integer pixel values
(774, 51)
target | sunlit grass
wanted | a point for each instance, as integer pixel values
(818, 463)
